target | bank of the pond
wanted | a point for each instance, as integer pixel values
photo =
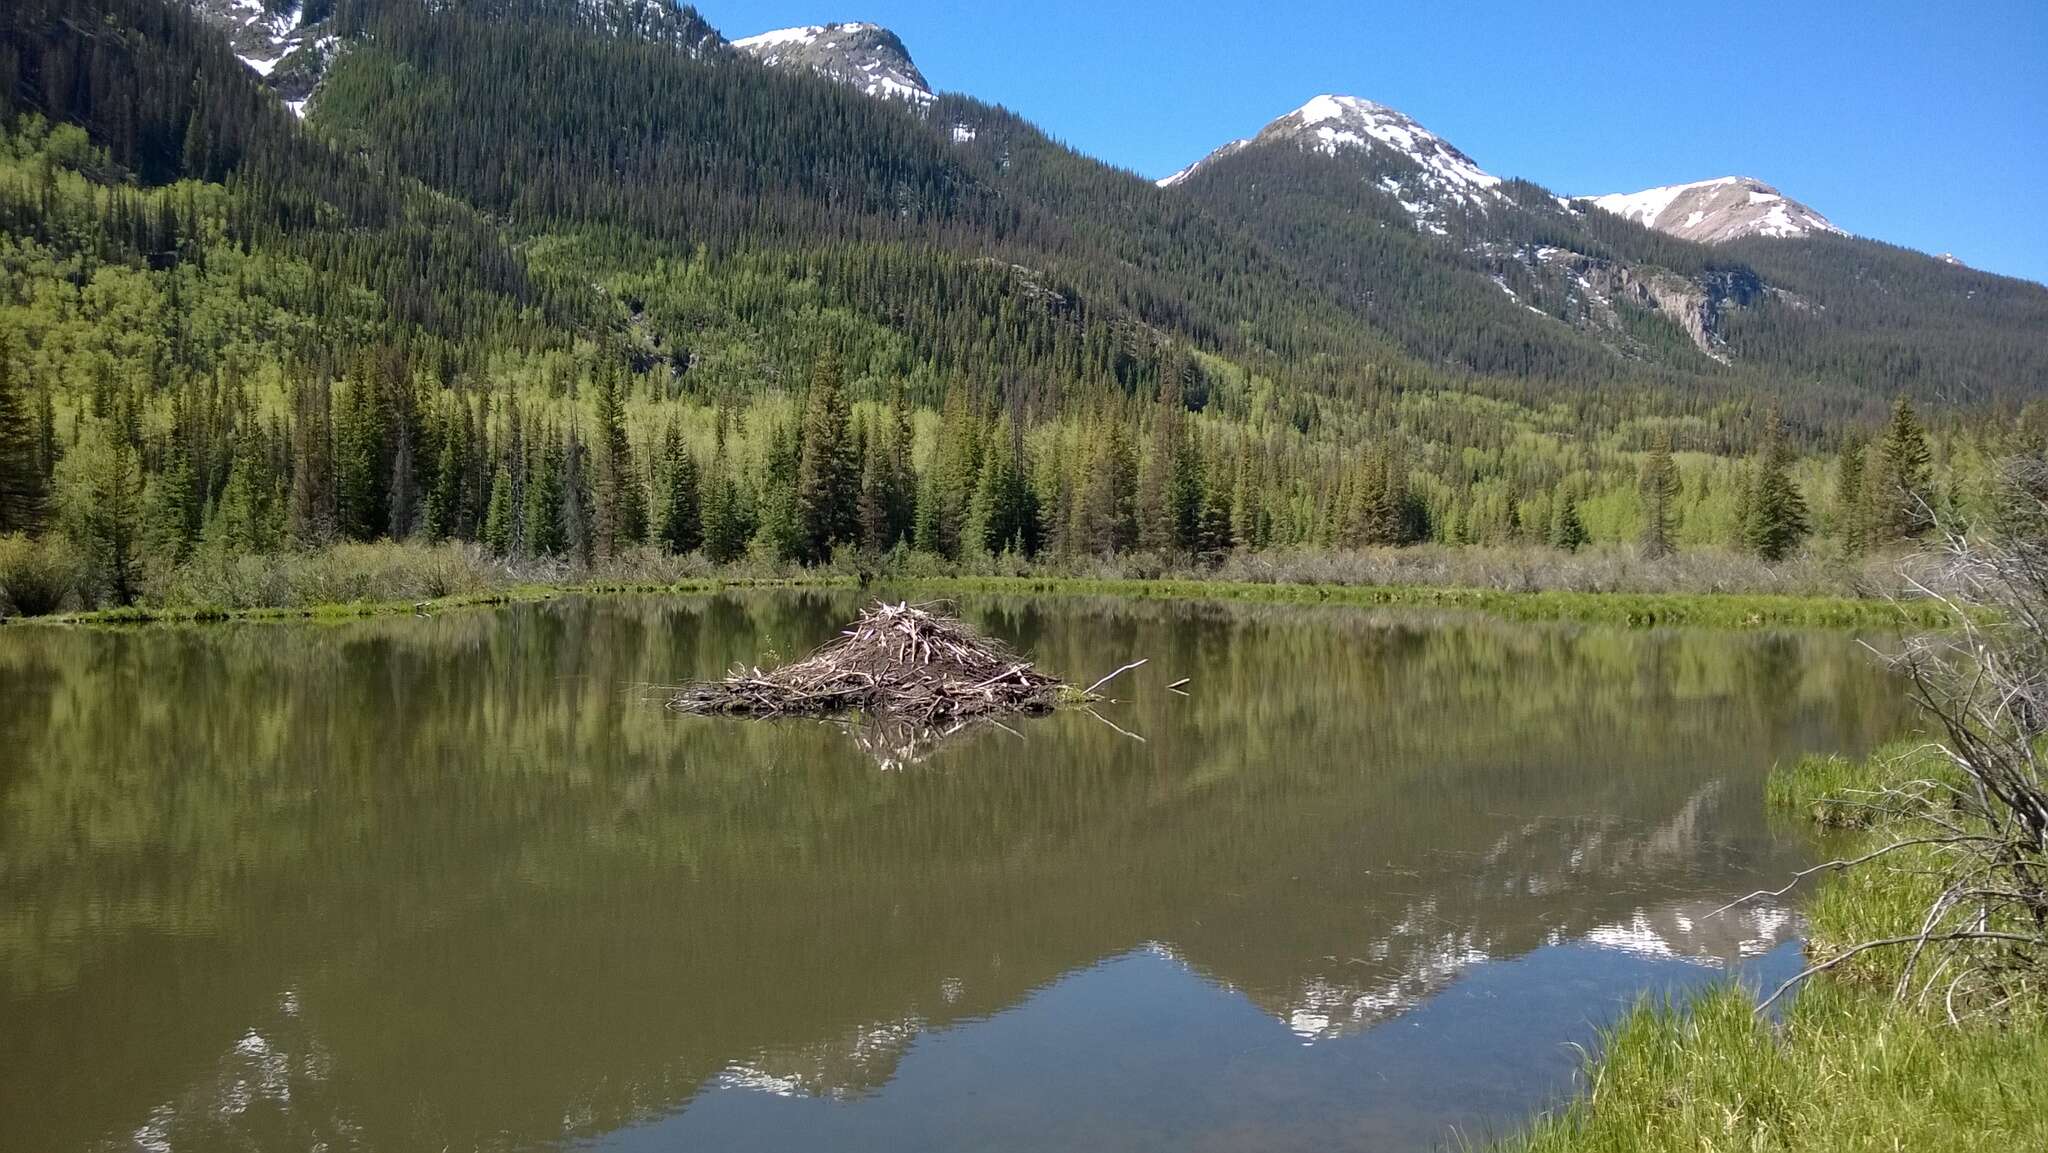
(1635, 610)
(1639, 610)
(1844, 1068)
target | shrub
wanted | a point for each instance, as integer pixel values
(36, 577)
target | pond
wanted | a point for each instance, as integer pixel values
(461, 882)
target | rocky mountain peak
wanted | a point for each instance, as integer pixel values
(284, 41)
(1717, 211)
(1334, 124)
(1427, 174)
(866, 56)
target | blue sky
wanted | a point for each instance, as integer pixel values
(1924, 124)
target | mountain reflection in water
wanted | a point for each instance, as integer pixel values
(463, 883)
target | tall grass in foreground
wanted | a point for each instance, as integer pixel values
(1844, 1070)
(1846, 1067)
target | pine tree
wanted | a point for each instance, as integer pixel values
(900, 504)
(1108, 511)
(726, 525)
(1567, 530)
(500, 521)
(46, 441)
(1899, 480)
(311, 518)
(950, 481)
(874, 490)
(403, 491)
(778, 525)
(246, 518)
(1162, 506)
(1659, 486)
(579, 533)
(1777, 519)
(682, 517)
(1247, 505)
(1850, 506)
(173, 515)
(619, 509)
(23, 491)
(545, 497)
(1005, 510)
(828, 473)
(361, 468)
(100, 483)
(444, 499)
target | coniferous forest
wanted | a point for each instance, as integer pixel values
(575, 293)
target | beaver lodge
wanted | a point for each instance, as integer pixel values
(904, 662)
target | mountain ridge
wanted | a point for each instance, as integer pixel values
(1718, 210)
(866, 57)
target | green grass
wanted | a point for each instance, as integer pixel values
(357, 610)
(1637, 610)
(1843, 1072)
(1837, 793)
(1845, 1069)
(1634, 610)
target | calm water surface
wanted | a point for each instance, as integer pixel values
(458, 883)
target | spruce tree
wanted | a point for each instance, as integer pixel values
(1005, 510)
(828, 473)
(1777, 519)
(246, 518)
(361, 468)
(619, 510)
(1900, 486)
(779, 524)
(1567, 530)
(444, 498)
(950, 481)
(900, 503)
(1851, 512)
(101, 485)
(874, 490)
(544, 497)
(1161, 479)
(1659, 486)
(726, 525)
(579, 533)
(1247, 506)
(1108, 512)
(23, 492)
(500, 521)
(682, 517)
(311, 516)
(403, 491)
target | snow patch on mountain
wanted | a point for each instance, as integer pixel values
(1340, 122)
(864, 56)
(1714, 211)
(1432, 176)
(276, 41)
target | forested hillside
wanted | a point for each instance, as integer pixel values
(574, 280)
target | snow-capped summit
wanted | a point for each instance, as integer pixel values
(1714, 211)
(867, 56)
(1429, 176)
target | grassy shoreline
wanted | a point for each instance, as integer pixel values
(1845, 1068)
(1628, 609)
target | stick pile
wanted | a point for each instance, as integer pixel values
(902, 661)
